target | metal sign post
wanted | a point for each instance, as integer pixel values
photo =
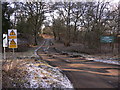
(13, 53)
(4, 54)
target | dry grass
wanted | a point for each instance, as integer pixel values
(14, 72)
(13, 75)
(12, 64)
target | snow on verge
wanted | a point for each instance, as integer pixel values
(46, 77)
(104, 61)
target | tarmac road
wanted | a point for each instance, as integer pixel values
(81, 72)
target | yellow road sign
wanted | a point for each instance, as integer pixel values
(12, 34)
(12, 44)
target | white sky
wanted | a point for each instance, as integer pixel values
(114, 1)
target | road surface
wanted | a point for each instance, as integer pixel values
(81, 72)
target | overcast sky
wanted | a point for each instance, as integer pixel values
(114, 1)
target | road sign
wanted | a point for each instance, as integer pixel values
(13, 43)
(12, 36)
(12, 33)
(5, 43)
(5, 40)
(107, 39)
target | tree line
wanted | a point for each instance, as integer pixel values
(71, 22)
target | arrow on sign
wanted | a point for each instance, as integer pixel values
(4, 38)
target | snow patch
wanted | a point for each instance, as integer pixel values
(103, 60)
(46, 77)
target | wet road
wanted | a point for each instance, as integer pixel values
(81, 72)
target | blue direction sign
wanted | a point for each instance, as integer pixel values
(107, 39)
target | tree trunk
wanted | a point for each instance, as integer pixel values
(67, 42)
(75, 37)
(35, 37)
(54, 35)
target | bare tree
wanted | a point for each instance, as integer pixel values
(33, 14)
(64, 11)
(77, 16)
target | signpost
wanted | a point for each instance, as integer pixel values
(12, 36)
(107, 39)
(5, 43)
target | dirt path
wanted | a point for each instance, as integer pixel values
(82, 73)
